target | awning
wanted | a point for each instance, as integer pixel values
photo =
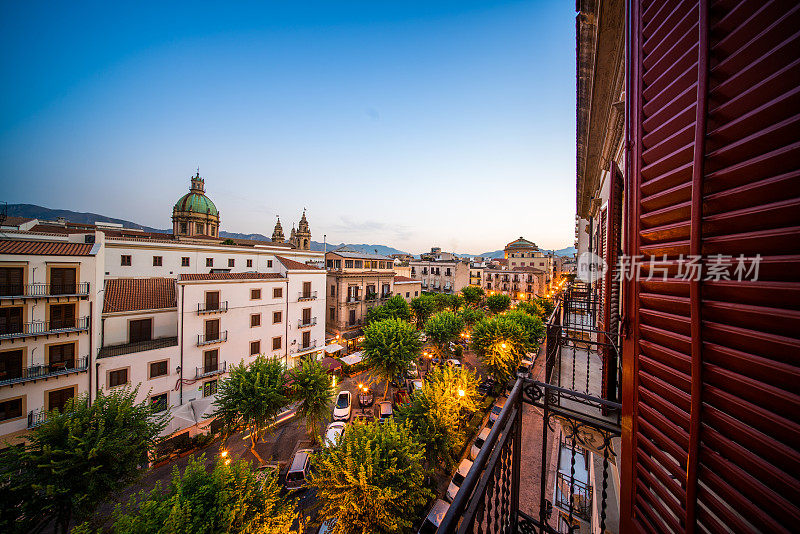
(331, 364)
(352, 335)
(333, 347)
(352, 359)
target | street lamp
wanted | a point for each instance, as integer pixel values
(461, 393)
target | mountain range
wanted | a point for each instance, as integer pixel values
(47, 214)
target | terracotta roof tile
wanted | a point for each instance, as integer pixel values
(296, 265)
(402, 279)
(132, 294)
(45, 248)
(230, 276)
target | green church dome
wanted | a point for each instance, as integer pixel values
(196, 203)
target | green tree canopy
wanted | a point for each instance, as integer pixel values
(446, 301)
(500, 342)
(471, 316)
(533, 326)
(229, 498)
(473, 295)
(313, 388)
(547, 305)
(424, 306)
(394, 308)
(76, 459)
(443, 328)
(435, 412)
(389, 347)
(532, 308)
(252, 396)
(373, 481)
(498, 302)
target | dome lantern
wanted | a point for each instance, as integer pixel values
(195, 214)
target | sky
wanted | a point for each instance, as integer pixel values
(408, 124)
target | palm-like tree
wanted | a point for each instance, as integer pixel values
(312, 387)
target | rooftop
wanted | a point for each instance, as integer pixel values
(45, 248)
(293, 265)
(132, 294)
(347, 252)
(229, 276)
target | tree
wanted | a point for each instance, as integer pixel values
(443, 328)
(498, 302)
(394, 308)
(229, 498)
(500, 343)
(533, 326)
(252, 396)
(424, 306)
(373, 481)
(435, 412)
(471, 316)
(473, 295)
(76, 459)
(313, 389)
(532, 308)
(445, 301)
(389, 347)
(546, 304)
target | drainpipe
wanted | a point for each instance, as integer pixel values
(180, 341)
(89, 356)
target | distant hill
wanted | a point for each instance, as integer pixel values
(39, 212)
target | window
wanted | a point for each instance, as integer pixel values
(209, 262)
(11, 320)
(159, 402)
(11, 279)
(62, 316)
(158, 369)
(382, 265)
(11, 364)
(333, 314)
(333, 290)
(158, 261)
(255, 294)
(63, 281)
(58, 399)
(212, 300)
(416, 293)
(352, 317)
(212, 329)
(185, 261)
(140, 330)
(249, 263)
(306, 316)
(231, 262)
(407, 293)
(61, 356)
(276, 343)
(125, 260)
(277, 317)
(306, 339)
(210, 361)
(118, 377)
(348, 264)
(269, 263)
(255, 347)
(184, 228)
(209, 388)
(306, 290)
(277, 292)
(199, 228)
(213, 230)
(359, 264)
(255, 320)
(10, 409)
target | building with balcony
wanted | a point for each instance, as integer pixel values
(440, 272)
(407, 287)
(357, 281)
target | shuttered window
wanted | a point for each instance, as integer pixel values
(711, 384)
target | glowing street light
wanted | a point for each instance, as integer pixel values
(502, 345)
(224, 454)
(461, 393)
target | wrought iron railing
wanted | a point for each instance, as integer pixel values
(42, 328)
(300, 348)
(307, 295)
(586, 422)
(302, 323)
(211, 369)
(43, 289)
(212, 307)
(206, 339)
(35, 372)
(138, 346)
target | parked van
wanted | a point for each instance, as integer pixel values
(298, 472)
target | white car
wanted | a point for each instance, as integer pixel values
(434, 517)
(458, 479)
(452, 362)
(386, 411)
(344, 403)
(524, 369)
(416, 385)
(497, 408)
(333, 432)
(478, 444)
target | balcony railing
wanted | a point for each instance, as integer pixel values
(207, 339)
(43, 328)
(307, 295)
(212, 307)
(300, 347)
(138, 346)
(305, 324)
(386, 295)
(36, 372)
(211, 370)
(37, 417)
(370, 297)
(353, 300)
(584, 424)
(43, 290)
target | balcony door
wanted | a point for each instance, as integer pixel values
(61, 356)
(212, 300)
(306, 290)
(56, 400)
(306, 339)
(11, 280)
(352, 317)
(306, 315)
(10, 320)
(63, 281)
(212, 329)
(62, 316)
(140, 330)
(210, 360)
(11, 364)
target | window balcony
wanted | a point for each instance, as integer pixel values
(305, 324)
(206, 339)
(303, 348)
(42, 371)
(310, 295)
(353, 300)
(209, 308)
(36, 418)
(43, 290)
(211, 370)
(138, 346)
(43, 328)
(386, 295)
(371, 297)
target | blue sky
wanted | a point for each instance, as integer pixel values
(411, 124)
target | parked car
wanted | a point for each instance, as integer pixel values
(341, 411)
(452, 362)
(524, 369)
(458, 479)
(333, 432)
(486, 386)
(478, 443)
(364, 416)
(298, 470)
(415, 385)
(412, 371)
(497, 407)
(386, 410)
(434, 517)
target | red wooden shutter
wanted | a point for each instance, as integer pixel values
(610, 287)
(711, 427)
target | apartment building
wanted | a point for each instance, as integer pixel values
(524, 253)
(476, 271)
(440, 272)
(356, 282)
(406, 287)
(519, 283)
